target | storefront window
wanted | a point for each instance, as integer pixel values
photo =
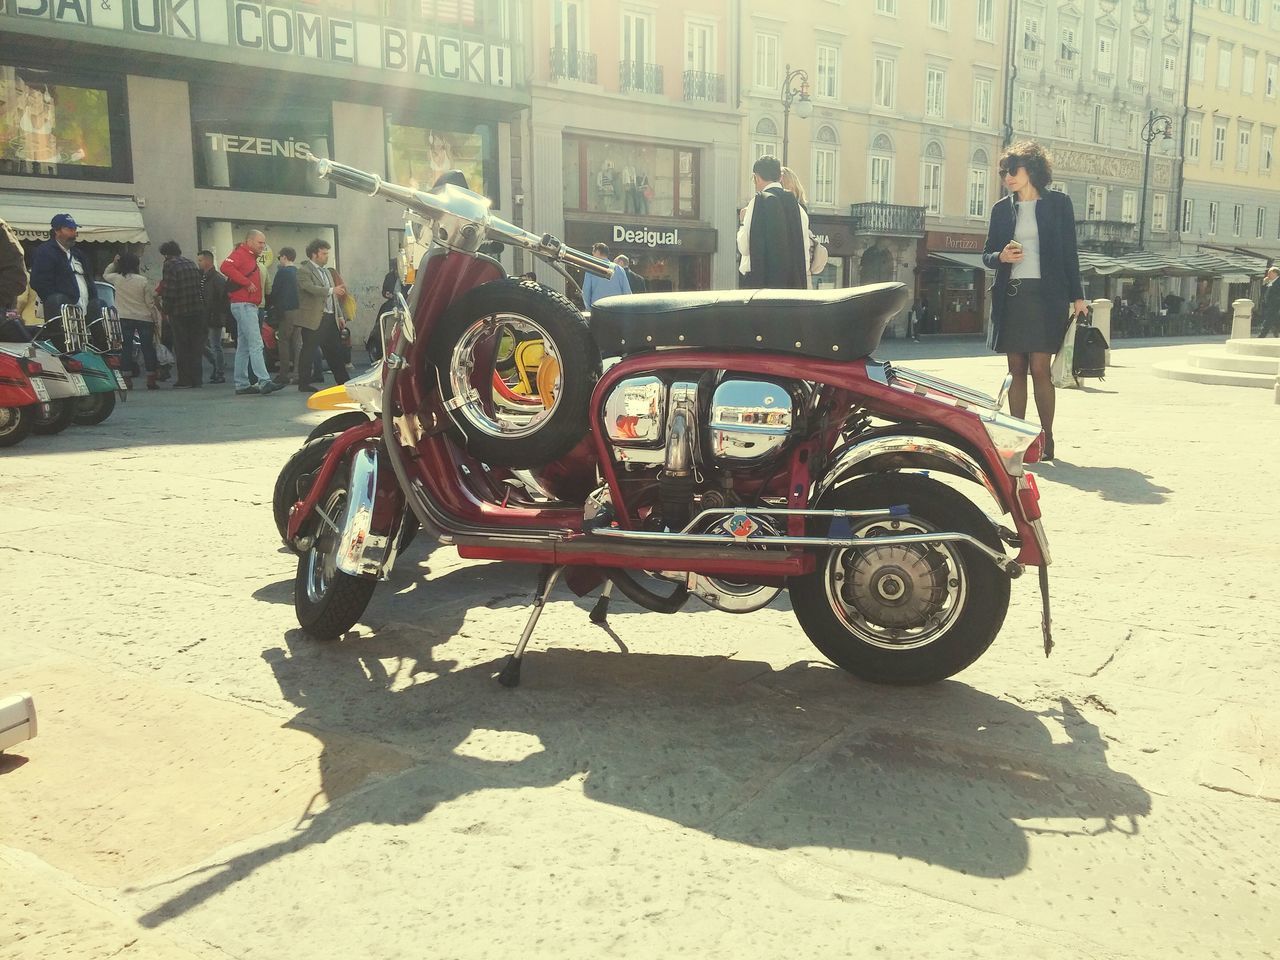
(241, 145)
(613, 176)
(63, 125)
(418, 152)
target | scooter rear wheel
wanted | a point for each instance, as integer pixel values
(56, 420)
(327, 601)
(16, 424)
(93, 409)
(904, 615)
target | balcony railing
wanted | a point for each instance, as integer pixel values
(1067, 70)
(887, 219)
(573, 65)
(1107, 236)
(707, 87)
(637, 77)
(1030, 59)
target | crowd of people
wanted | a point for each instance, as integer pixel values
(176, 325)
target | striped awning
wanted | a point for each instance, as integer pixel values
(1148, 264)
(102, 218)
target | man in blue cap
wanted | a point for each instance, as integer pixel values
(60, 273)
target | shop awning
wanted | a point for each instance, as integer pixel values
(1161, 265)
(102, 219)
(970, 261)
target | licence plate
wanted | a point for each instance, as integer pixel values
(78, 385)
(42, 392)
(120, 380)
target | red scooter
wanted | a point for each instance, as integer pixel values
(741, 443)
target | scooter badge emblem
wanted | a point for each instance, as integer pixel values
(741, 526)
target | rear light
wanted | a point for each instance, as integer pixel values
(1029, 496)
(31, 366)
(113, 362)
(73, 366)
(1035, 451)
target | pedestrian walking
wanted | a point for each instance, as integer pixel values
(774, 236)
(320, 302)
(180, 286)
(138, 310)
(1031, 245)
(637, 283)
(597, 288)
(244, 290)
(217, 313)
(285, 303)
(1270, 306)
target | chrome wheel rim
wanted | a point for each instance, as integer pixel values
(9, 420)
(897, 597)
(481, 408)
(322, 558)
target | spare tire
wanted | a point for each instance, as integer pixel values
(545, 414)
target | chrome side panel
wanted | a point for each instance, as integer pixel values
(360, 551)
(912, 452)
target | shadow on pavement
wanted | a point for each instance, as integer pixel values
(10, 762)
(1118, 484)
(746, 753)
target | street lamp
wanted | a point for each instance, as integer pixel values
(795, 87)
(1157, 125)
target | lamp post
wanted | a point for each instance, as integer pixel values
(795, 87)
(1157, 125)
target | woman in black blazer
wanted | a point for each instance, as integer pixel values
(1031, 245)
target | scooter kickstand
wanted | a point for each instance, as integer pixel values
(600, 612)
(509, 675)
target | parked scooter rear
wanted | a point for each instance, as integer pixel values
(737, 444)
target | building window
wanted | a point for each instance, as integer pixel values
(1248, 67)
(1224, 65)
(889, 7)
(1193, 139)
(1024, 110)
(885, 82)
(1237, 219)
(1262, 223)
(1159, 209)
(1272, 78)
(1198, 48)
(824, 167)
(931, 179)
(638, 38)
(1268, 149)
(1129, 207)
(1188, 214)
(1105, 64)
(1062, 117)
(935, 92)
(828, 72)
(1095, 207)
(982, 103)
(1253, 13)
(1099, 123)
(1030, 33)
(63, 125)
(1227, 6)
(1242, 147)
(978, 188)
(1068, 44)
(610, 176)
(766, 61)
(986, 20)
(1138, 66)
(1169, 74)
(765, 141)
(1220, 142)
(881, 170)
(1133, 121)
(939, 14)
(567, 34)
(700, 47)
(1213, 217)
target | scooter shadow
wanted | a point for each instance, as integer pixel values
(802, 756)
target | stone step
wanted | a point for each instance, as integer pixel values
(1242, 362)
(1179, 370)
(1269, 347)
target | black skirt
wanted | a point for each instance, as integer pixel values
(1028, 327)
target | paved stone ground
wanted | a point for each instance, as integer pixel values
(209, 783)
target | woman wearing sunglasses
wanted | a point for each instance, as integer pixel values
(1031, 245)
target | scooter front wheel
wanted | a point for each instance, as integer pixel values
(905, 614)
(327, 601)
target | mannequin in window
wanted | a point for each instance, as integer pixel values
(607, 185)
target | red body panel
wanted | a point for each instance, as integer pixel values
(15, 385)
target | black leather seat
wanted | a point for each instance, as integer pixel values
(832, 324)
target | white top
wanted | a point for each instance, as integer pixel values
(135, 295)
(1027, 232)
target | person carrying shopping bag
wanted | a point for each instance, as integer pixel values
(139, 313)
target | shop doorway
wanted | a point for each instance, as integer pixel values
(876, 266)
(665, 273)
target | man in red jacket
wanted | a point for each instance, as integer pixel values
(244, 290)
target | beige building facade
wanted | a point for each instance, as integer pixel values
(633, 137)
(898, 157)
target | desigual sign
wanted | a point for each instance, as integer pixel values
(645, 236)
(288, 32)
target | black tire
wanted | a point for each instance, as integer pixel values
(340, 423)
(16, 424)
(327, 601)
(305, 461)
(58, 418)
(872, 635)
(91, 410)
(556, 433)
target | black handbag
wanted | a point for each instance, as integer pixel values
(1090, 359)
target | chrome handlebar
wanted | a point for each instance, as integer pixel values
(456, 204)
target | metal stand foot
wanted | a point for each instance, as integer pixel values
(600, 612)
(509, 675)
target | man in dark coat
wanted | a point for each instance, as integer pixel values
(180, 294)
(774, 236)
(1270, 306)
(217, 312)
(13, 269)
(638, 283)
(60, 272)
